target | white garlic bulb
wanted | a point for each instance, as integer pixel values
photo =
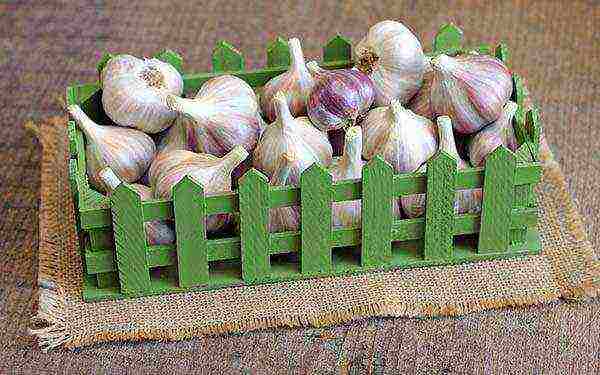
(225, 114)
(392, 56)
(499, 133)
(403, 138)
(283, 219)
(296, 83)
(421, 102)
(294, 136)
(348, 167)
(133, 92)
(128, 152)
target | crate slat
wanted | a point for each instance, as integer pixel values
(278, 53)
(337, 48)
(226, 58)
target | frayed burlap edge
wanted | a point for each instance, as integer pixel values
(59, 292)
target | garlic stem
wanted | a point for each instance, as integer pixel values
(443, 63)
(353, 148)
(233, 158)
(110, 179)
(447, 142)
(282, 172)
(283, 111)
(196, 109)
(296, 55)
(85, 123)
(314, 68)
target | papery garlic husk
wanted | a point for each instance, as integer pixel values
(420, 103)
(158, 232)
(499, 133)
(224, 114)
(467, 200)
(283, 219)
(133, 92)
(128, 152)
(348, 167)
(293, 136)
(212, 172)
(296, 83)
(392, 56)
(470, 89)
(339, 97)
(403, 138)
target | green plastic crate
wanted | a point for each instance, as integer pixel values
(119, 263)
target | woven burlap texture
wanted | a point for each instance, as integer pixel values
(566, 268)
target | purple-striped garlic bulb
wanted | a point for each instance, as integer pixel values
(500, 132)
(296, 83)
(212, 172)
(294, 136)
(158, 232)
(224, 114)
(339, 97)
(403, 138)
(467, 200)
(348, 167)
(392, 56)
(128, 152)
(470, 89)
(421, 102)
(133, 92)
(283, 219)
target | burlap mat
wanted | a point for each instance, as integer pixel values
(566, 268)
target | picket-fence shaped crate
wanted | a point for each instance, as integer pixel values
(118, 263)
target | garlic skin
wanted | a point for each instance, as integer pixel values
(348, 167)
(224, 114)
(283, 219)
(296, 83)
(470, 89)
(128, 152)
(133, 92)
(339, 97)
(403, 138)
(467, 200)
(420, 103)
(158, 232)
(392, 56)
(212, 172)
(500, 132)
(293, 136)
(176, 137)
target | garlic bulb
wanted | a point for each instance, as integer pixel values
(470, 89)
(128, 152)
(500, 132)
(339, 97)
(224, 114)
(296, 84)
(421, 102)
(391, 55)
(213, 173)
(467, 200)
(348, 167)
(283, 219)
(402, 138)
(294, 136)
(176, 137)
(158, 232)
(133, 92)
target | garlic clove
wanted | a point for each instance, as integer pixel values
(296, 83)
(289, 135)
(339, 97)
(347, 167)
(213, 173)
(420, 103)
(283, 219)
(392, 56)
(158, 232)
(470, 89)
(224, 114)
(128, 152)
(133, 92)
(403, 138)
(500, 132)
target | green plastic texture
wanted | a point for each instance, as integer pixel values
(120, 264)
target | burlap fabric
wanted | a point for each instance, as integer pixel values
(48, 45)
(567, 267)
